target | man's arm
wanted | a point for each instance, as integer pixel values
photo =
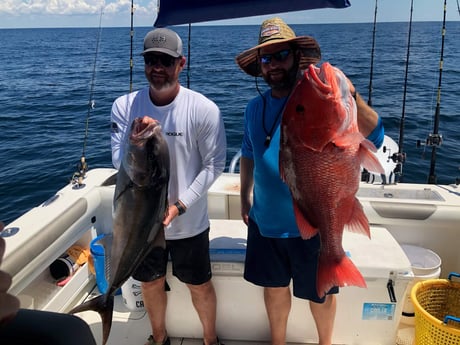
(246, 186)
(367, 117)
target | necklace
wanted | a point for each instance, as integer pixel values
(269, 134)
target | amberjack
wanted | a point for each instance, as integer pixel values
(140, 204)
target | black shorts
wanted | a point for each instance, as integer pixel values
(189, 256)
(273, 262)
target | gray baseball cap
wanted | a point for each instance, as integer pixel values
(163, 40)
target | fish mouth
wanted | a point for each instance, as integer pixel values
(319, 77)
(143, 128)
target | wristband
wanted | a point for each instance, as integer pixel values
(180, 208)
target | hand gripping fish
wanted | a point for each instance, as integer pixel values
(140, 204)
(321, 151)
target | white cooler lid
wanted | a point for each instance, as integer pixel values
(227, 240)
(375, 258)
(378, 256)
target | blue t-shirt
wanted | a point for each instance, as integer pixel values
(272, 207)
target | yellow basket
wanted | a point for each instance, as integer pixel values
(437, 311)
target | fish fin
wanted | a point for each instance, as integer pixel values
(366, 143)
(281, 169)
(348, 139)
(159, 240)
(305, 228)
(359, 222)
(106, 316)
(337, 273)
(280, 163)
(102, 304)
(369, 160)
(106, 242)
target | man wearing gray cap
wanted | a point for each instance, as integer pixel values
(194, 130)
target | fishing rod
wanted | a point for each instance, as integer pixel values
(365, 174)
(131, 62)
(369, 99)
(82, 165)
(400, 157)
(188, 54)
(435, 139)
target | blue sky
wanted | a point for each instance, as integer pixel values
(84, 13)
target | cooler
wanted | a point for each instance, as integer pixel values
(364, 315)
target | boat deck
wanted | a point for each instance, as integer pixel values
(133, 328)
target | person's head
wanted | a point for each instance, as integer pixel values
(163, 58)
(279, 54)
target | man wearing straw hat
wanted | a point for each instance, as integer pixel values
(275, 251)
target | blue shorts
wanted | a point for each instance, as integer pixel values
(190, 259)
(273, 262)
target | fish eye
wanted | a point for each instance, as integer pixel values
(300, 108)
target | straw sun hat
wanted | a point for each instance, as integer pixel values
(273, 31)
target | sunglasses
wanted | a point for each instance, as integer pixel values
(280, 56)
(163, 59)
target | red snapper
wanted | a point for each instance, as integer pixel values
(321, 151)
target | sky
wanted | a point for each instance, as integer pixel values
(116, 13)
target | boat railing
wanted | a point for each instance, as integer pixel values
(235, 162)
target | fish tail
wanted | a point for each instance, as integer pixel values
(337, 273)
(359, 222)
(104, 306)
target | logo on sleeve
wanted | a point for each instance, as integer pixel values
(174, 134)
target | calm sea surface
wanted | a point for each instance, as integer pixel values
(46, 77)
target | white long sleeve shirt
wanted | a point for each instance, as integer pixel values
(194, 130)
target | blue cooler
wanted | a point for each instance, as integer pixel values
(97, 251)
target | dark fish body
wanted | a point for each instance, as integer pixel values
(140, 204)
(321, 151)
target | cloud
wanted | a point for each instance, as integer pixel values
(74, 7)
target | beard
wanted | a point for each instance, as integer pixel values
(281, 79)
(160, 82)
(163, 85)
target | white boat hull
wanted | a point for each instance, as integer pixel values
(423, 215)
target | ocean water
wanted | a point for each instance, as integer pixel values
(46, 77)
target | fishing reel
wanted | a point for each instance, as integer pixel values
(80, 174)
(391, 160)
(431, 140)
(396, 157)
